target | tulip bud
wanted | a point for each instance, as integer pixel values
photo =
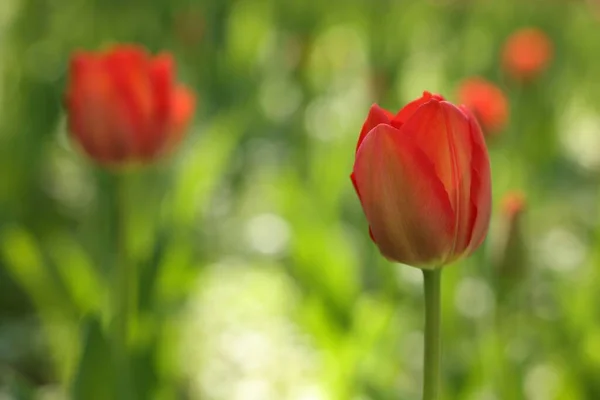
(526, 54)
(423, 180)
(123, 106)
(487, 102)
(509, 253)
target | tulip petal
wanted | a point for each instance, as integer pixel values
(481, 201)
(377, 115)
(459, 132)
(161, 81)
(409, 212)
(128, 69)
(353, 179)
(80, 66)
(408, 110)
(183, 103)
(442, 132)
(93, 114)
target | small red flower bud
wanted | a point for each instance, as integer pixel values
(513, 204)
(423, 180)
(486, 101)
(509, 250)
(123, 106)
(526, 54)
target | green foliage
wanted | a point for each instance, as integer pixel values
(96, 375)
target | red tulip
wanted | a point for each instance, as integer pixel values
(526, 54)
(124, 107)
(486, 101)
(509, 252)
(423, 179)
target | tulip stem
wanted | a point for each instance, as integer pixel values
(124, 284)
(432, 354)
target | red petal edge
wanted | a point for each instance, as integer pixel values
(353, 179)
(376, 116)
(408, 110)
(480, 185)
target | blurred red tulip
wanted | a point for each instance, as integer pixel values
(486, 101)
(124, 107)
(423, 179)
(509, 254)
(526, 54)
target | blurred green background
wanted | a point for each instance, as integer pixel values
(257, 278)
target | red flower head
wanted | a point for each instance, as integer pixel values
(486, 101)
(423, 179)
(526, 54)
(124, 107)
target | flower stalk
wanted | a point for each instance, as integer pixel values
(124, 287)
(432, 353)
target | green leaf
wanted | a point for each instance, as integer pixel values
(74, 267)
(95, 378)
(19, 387)
(24, 261)
(202, 167)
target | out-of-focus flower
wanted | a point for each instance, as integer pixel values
(423, 179)
(124, 106)
(486, 101)
(526, 54)
(509, 252)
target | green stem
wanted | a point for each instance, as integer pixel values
(432, 354)
(123, 288)
(122, 268)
